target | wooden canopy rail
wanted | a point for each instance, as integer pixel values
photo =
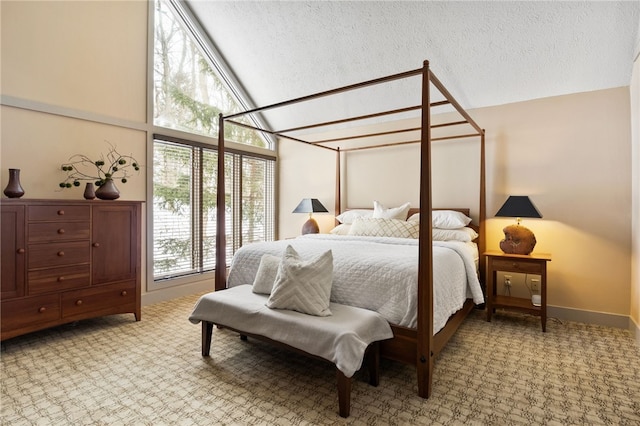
(415, 346)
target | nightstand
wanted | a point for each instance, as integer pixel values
(535, 264)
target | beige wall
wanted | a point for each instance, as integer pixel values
(635, 230)
(568, 153)
(74, 79)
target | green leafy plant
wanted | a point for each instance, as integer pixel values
(113, 165)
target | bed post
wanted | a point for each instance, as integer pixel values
(483, 212)
(221, 255)
(424, 355)
(338, 185)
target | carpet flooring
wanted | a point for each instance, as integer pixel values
(115, 371)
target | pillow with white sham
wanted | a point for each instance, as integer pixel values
(342, 229)
(349, 216)
(382, 227)
(266, 274)
(381, 212)
(465, 234)
(445, 219)
(303, 285)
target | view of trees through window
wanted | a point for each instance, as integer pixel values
(188, 96)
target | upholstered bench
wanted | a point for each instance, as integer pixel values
(342, 338)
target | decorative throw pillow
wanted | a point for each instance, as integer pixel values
(303, 285)
(380, 227)
(381, 212)
(266, 275)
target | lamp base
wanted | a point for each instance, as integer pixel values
(310, 227)
(517, 240)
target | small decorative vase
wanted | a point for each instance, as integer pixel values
(108, 191)
(89, 191)
(13, 189)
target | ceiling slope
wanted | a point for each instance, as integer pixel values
(485, 52)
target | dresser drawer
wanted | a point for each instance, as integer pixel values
(56, 279)
(29, 311)
(100, 299)
(518, 266)
(59, 212)
(59, 254)
(58, 231)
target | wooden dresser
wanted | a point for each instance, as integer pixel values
(63, 261)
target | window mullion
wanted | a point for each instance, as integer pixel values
(196, 209)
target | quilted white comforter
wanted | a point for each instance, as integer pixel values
(380, 274)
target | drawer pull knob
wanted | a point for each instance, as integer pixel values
(60, 279)
(42, 309)
(20, 251)
(61, 212)
(96, 244)
(60, 253)
(123, 293)
(61, 231)
(78, 302)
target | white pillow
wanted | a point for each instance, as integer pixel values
(445, 219)
(380, 227)
(342, 229)
(461, 234)
(303, 285)
(350, 215)
(380, 211)
(266, 275)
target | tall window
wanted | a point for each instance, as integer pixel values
(188, 96)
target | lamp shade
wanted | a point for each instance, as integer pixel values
(518, 206)
(310, 205)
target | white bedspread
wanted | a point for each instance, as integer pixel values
(379, 274)
(341, 338)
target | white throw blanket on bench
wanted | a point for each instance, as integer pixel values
(341, 338)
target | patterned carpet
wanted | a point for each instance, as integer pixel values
(115, 371)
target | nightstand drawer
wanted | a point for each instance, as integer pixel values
(518, 266)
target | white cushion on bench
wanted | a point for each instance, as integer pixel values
(341, 338)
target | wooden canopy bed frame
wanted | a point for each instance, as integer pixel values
(413, 346)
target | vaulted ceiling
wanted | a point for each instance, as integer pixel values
(485, 52)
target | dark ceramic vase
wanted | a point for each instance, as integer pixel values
(14, 189)
(108, 191)
(89, 191)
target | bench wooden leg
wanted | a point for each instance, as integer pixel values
(373, 363)
(207, 329)
(344, 393)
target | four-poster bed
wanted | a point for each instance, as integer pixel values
(417, 346)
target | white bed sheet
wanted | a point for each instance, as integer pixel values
(379, 274)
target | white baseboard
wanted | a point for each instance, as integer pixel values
(588, 317)
(635, 330)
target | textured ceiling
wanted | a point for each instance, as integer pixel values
(485, 53)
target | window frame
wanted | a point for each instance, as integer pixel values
(213, 57)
